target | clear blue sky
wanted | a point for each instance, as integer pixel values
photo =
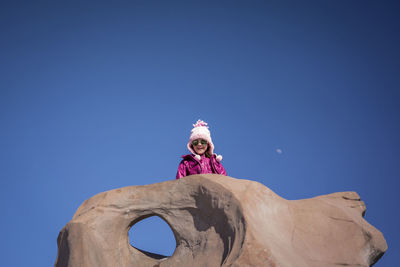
(98, 95)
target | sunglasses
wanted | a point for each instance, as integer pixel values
(196, 142)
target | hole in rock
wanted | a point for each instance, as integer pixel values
(153, 237)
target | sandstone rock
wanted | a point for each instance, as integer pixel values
(222, 221)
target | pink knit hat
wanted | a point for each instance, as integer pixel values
(200, 131)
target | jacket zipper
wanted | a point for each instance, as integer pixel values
(198, 162)
(201, 166)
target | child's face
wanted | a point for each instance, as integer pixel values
(200, 146)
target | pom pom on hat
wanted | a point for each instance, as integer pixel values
(200, 123)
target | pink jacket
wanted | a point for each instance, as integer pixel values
(190, 165)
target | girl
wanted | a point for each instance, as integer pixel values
(202, 159)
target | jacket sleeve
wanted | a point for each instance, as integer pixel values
(222, 170)
(181, 170)
(219, 168)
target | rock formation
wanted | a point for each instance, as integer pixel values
(222, 221)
